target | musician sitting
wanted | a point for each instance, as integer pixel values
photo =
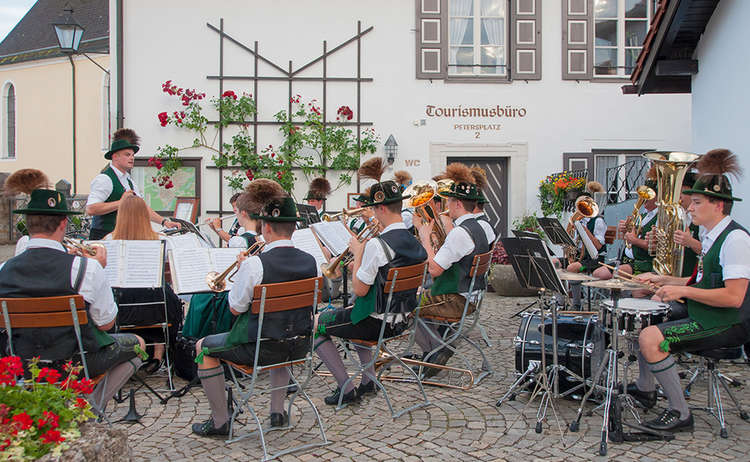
(480, 180)
(636, 259)
(403, 179)
(451, 264)
(716, 295)
(288, 332)
(394, 247)
(235, 229)
(690, 238)
(320, 189)
(46, 270)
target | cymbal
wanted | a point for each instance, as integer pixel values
(613, 284)
(568, 276)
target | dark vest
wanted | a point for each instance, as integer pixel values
(107, 221)
(712, 316)
(250, 238)
(639, 253)
(406, 251)
(44, 272)
(457, 278)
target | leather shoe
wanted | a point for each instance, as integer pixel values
(647, 399)
(333, 398)
(279, 419)
(669, 421)
(368, 388)
(208, 428)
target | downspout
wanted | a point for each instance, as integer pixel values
(120, 60)
(73, 73)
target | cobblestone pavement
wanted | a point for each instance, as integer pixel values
(458, 425)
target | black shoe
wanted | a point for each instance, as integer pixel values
(207, 428)
(669, 421)
(333, 398)
(151, 366)
(441, 358)
(647, 399)
(368, 388)
(279, 419)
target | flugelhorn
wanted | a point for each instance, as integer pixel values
(216, 282)
(345, 213)
(329, 269)
(422, 194)
(76, 244)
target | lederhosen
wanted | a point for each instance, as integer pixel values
(101, 225)
(286, 334)
(45, 272)
(690, 258)
(642, 261)
(357, 322)
(589, 264)
(444, 299)
(709, 327)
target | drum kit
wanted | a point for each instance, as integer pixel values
(582, 353)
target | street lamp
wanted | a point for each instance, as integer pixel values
(69, 33)
(391, 148)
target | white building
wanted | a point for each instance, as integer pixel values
(520, 86)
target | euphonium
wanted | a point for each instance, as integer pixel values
(670, 171)
(329, 269)
(633, 222)
(216, 282)
(422, 194)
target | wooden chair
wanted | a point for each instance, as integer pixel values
(273, 298)
(457, 327)
(399, 279)
(47, 312)
(610, 235)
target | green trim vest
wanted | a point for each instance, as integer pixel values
(591, 226)
(20, 278)
(107, 221)
(456, 279)
(690, 258)
(711, 316)
(643, 261)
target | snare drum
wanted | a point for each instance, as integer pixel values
(635, 313)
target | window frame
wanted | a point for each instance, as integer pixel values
(477, 46)
(621, 47)
(4, 128)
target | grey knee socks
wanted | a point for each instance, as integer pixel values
(214, 385)
(645, 380)
(666, 373)
(327, 352)
(365, 356)
(116, 378)
(279, 378)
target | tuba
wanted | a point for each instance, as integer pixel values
(422, 194)
(670, 171)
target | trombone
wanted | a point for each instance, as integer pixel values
(216, 282)
(346, 257)
(77, 244)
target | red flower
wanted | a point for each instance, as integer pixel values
(4, 445)
(23, 420)
(229, 94)
(249, 175)
(169, 185)
(52, 436)
(163, 119)
(278, 175)
(81, 403)
(51, 375)
(83, 386)
(345, 112)
(11, 365)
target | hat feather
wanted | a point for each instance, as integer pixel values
(480, 176)
(372, 168)
(320, 187)
(439, 177)
(127, 134)
(258, 193)
(719, 162)
(459, 173)
(402, 177)
(594, 187)
(25, 181)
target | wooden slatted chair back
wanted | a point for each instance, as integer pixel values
(481, 264)
(41, 312)
(409, 278)
(284, 296)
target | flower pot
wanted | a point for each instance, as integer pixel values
(503, 279)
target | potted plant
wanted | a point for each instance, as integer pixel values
(556, 189)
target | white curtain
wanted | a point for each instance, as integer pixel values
(493, 29)
(459, 26)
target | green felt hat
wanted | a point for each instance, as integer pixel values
(482, 199)
(47, 202)
(385, 192)
(280, 210)
(715, 186)
(119, 145)
(463, 191)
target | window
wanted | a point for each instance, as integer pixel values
(619, 171)
(620, 26)
(476, 37)
(9, 122)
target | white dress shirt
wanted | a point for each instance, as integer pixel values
(734, 255)
(21, 245)
(458, 244)
(408, 218)
(249, 275)
(644, 221)
(101, 186)
(94, 287)
(239, 241)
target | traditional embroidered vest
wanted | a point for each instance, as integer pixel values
(44, 272)
(406, 251)
(690, 258)
(107, 221)
(457, 279)
(712, 316)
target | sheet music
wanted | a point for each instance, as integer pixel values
(184, 241)
(142, 264)
(304, 240)
(112, 270)
(189, 268)
(223, 257)
(333, 234)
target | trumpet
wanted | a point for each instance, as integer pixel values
(422, 194)
(216, 282)
(633, 222)
(77, 244)
(345, 213)
(329, 269)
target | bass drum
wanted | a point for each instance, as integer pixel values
(580, 344)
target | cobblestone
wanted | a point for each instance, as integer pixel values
(458, 425)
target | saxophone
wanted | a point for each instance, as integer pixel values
(670, 171)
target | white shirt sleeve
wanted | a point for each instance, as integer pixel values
(21, 244)
(408, 218)
(248, 276)
(734, 255)
(600, 230)
(372, 259)
(457, 245)
(101, 188)
(237, 241)
(96, 291)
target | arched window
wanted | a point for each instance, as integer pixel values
(9, 122)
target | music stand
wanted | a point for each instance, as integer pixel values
(533, 266)
(555, 232)
(191, 228)
(309, 213)
(525, 234)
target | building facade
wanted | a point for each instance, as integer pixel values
(524, 88)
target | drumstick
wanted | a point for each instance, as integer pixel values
(630, 278)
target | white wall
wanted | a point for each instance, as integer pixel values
(720, 95)
(169, 40)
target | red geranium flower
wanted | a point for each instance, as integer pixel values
(51, 375)
(81, 403)
(163, 119)
(23, 420)
(4, 445)
(229, 94)
(51, 436)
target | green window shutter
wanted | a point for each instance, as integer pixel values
(431, 36)
(526, 39)
(577, 45)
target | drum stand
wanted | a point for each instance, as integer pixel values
(615, 401)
